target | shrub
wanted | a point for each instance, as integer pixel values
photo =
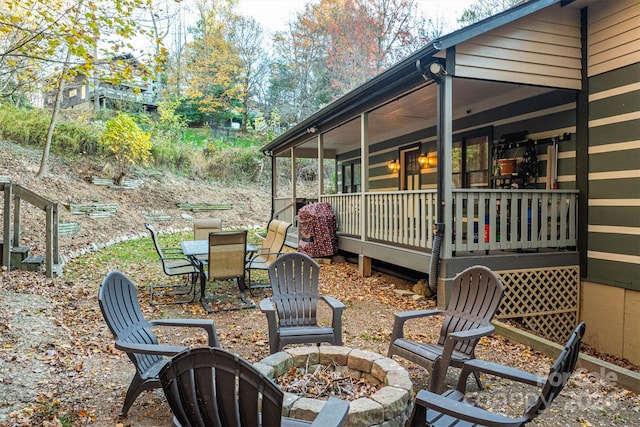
(126, 142)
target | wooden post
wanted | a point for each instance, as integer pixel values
(48, 259)
(6, 236)
(364, 265)
(17, 206)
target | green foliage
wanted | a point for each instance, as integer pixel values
(126, 142)
(28, 126)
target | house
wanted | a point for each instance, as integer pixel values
(517, 140)
(81, 92)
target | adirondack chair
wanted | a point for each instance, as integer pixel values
(476, 295)
(215, 388)
(174, 263)
(133, 333)
(270, 250)
(203, 226)
(452, 409)
(227, 250)
(294, 280)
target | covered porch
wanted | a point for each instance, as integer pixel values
(420, 149)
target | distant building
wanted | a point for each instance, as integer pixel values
(81, 93)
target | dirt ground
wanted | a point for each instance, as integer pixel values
(57, 359)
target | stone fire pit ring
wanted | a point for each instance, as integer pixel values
(389, 407)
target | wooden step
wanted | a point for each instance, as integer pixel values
(32, 263)
(18, 255)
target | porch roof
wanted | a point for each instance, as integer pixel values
(397, 80)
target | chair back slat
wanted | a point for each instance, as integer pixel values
(476, 294)
(294, 280)
(559, 374)
(227, 250)
(212, 387)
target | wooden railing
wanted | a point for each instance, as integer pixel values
(481, 220)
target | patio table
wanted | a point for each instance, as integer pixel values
(197, 251)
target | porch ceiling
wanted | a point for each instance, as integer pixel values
(412, 112)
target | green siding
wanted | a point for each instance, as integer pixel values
(616, 132)
(615, 105)
(614, 188)
(615, 243)
(616, 78)
(621, 274)
(624, 216)
(614, 161)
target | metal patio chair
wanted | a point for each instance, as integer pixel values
(227, 252)
(203, 226)
(270, 250)
(451, 409)
(476, 295)
(291, 312)
(174, 263)
(134, 335)
(215, 388)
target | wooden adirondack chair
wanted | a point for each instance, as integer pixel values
(215, 388)
(174, 263)
(294, 281)
(476, 295)
(270, 250)
(133, 333)
(452, 409)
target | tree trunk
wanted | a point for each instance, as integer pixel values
(54, 117)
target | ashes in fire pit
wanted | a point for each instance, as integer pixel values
(323, 382)
(379, 390)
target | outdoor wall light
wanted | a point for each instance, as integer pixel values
(394, 166)
(434, 71)
(428, 160)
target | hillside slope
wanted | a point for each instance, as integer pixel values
(158, 194)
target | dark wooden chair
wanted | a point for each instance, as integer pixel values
(291, 312)
(270, 250)
(214, 388)
(174, 263)
(452, 409)
(133, 333)
(227, 251)
(475, 297)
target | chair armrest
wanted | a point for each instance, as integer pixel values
(171, 250)
(402, 316)
(332, 302)
(463, 411)
(333, 413)
(336, 320)
(501, 371)
(157, 349)
(257, 257)
(266, 306)
(206, 324)
(472, 334)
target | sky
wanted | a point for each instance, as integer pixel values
(274, 14)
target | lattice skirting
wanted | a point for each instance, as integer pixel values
(546, 299)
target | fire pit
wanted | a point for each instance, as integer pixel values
(391, 398)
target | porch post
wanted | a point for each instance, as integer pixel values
(445, 163)
(364, 262)
(274, 184)
(294, 184)
(320, 165)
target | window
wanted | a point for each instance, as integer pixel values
(470, 158)
(351, 177)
